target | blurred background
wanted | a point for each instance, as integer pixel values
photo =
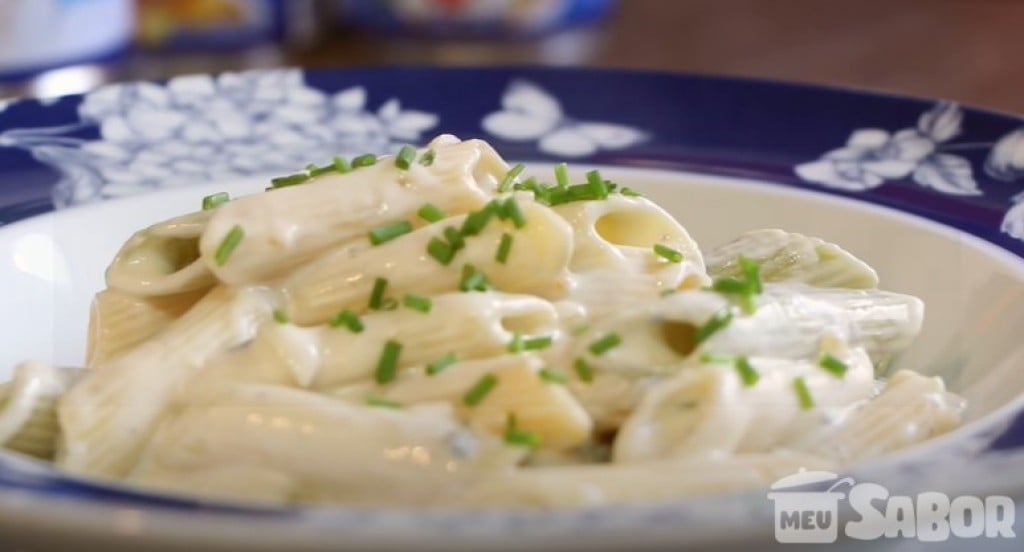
(966, 50)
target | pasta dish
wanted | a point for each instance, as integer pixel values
(435, 328)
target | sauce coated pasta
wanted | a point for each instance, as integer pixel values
(435, 329)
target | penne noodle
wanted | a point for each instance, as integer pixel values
(118, 321)
(293, 224)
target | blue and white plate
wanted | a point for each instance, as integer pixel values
(930, 193)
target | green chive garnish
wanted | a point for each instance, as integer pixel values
(441, 364)
(833, 365)
(315, 171)
(405, 157)
(519, 345)
(553, 376)
(387, 366)
(717, 322)
(380, 285)
(427, 159)
(341, 165)
(504, 248)
(667, 253)
(605, 344)
(389, 232)
(630, 192)
(803, 394)
(365, 160)
(562, 175)
(510, 178)
(379, 402)
(441, 251)
(211, 202)
(747, 372)
(583, 370)
(455, 239)
(730, 286)
(473, 279)
(752, 273)
(597, 185)
(417, 303)
(476, 222)
(520, 438)
(348, 319)
(510, 209)
(431, 213)
(290, 180)
(228, 245)
(480, 390)
(281, 317)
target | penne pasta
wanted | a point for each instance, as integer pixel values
(118, 321)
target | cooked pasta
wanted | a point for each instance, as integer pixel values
(437, 329)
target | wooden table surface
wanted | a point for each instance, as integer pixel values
(970, 51)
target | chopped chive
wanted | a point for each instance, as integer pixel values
(417, 303)
(431, 213)
(281, 317)
(803, 394)
(752, 273)
(441, 364)
(427, 159)
(348, 319)
(731, 286)
(365, 160)
(405, 157)
(229, 244)
(455, 239)
(510, 209)
(562, 175)
(717, 322)
(833, 365)
(341, 165)
(380, 285)
(583, 370)
(747, 372)
(441, 251)
(476, 222)
(480, 390)
(553, 376)
(504, 248)
(605, 344)
(510, 178)
(519, 345)
(387, 366)
(630, 192)
(211, 202)
(389, 232)
(473, 279)
(712, 358)
(525, 439)
(315, 171)
(597, 185)
(667, 253)
(290, 180)
(379, 402)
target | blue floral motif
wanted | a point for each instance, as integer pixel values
(200, 128)
(530, 113)
(872, 157)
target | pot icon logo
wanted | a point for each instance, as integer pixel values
(804, 511)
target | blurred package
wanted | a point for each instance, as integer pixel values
(473, 18)
(54, 47)
(220, 25)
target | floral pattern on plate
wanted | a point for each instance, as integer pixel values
(530, 113)
(200, 128)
